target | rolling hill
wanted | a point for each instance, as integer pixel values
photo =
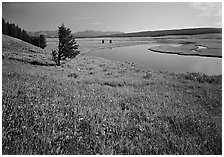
(16, 49)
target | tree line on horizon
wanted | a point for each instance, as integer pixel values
(15, 31)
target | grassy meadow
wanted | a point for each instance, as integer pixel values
(90, 105)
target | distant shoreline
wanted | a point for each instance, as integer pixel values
(184, 54)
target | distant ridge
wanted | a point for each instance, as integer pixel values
(91, 33)
(80, 34)
(188, 31)
(48, 34)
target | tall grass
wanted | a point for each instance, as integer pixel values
(45, 116)
(202, 78)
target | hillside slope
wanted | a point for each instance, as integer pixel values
(90, 106)
(17, 49)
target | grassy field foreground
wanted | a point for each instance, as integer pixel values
(91, 105)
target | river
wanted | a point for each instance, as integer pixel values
(141, 55)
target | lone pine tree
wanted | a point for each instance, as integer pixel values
(67, 47)
(42, 41)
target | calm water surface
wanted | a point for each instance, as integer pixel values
(163, 62)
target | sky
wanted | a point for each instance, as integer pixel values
(112, 16)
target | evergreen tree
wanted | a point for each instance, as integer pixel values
(19, 33)
(4, 27)
(7, 27)
(14, 31)
(25, 37)
(35, 41)
(10, 30)
(67, 47)
(42, 40)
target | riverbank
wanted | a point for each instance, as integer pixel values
(91, 105)
(94, 44)
(207, 45)
(187, 45)
(186, 51)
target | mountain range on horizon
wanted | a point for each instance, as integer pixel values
(92, 33)
(80, 34)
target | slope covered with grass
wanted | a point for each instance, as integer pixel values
(91, 105)
(19, 50)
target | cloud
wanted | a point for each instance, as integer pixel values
(208, 8)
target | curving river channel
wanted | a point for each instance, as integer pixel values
(161, 61)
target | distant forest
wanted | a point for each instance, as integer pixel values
(190, 31)
(14, 31)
